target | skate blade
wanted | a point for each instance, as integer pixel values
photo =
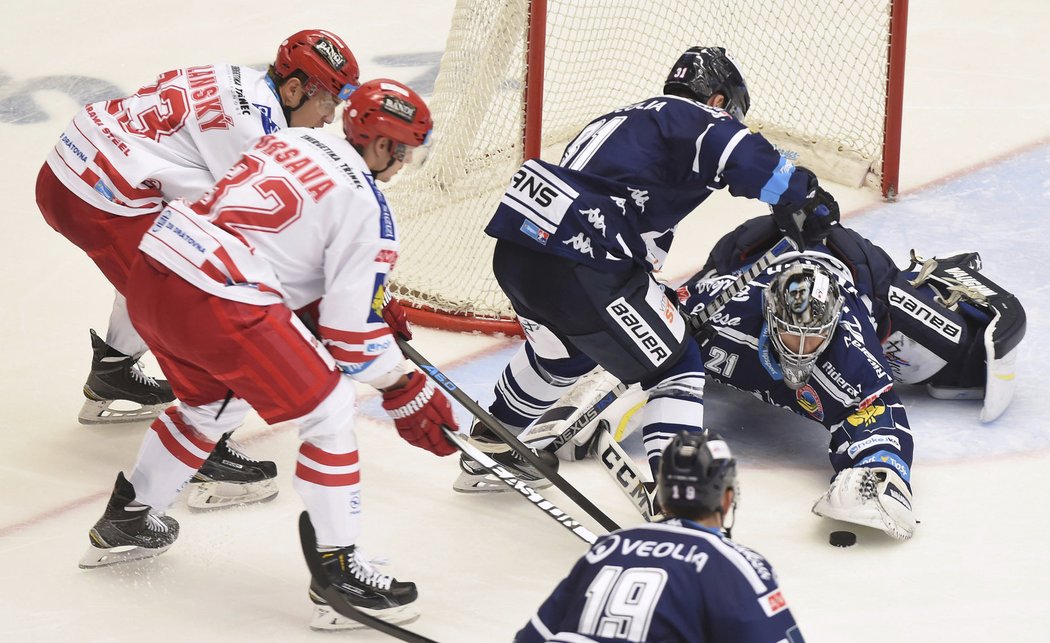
(206, 496)
(103, 412)
(488, 483)
(100, 557)
(326, 619)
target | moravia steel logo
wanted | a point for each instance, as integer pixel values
(399, 107)
(330, 53)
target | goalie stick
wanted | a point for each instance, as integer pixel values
(598, 398)
(507, 478)
(494, 425)
(623, 469)
(323, 586)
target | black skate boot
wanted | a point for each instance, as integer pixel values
(229, 477)
(116, 377)
(474, 478)
(376, 594)
(128, 530)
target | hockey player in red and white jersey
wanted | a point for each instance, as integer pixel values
(118, 161)
(297, 219)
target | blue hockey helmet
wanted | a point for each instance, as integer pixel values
(802, 307)
(695, 471)
(702, 72)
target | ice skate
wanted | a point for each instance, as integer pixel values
(229, 477)
(369, 591)
(875, 497)
(116, 382)
(474, 478)
(128, 530)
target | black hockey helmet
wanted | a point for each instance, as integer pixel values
(695, 471)
(702, 72)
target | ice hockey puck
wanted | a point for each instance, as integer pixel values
(843, 538)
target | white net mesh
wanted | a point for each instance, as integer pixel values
(816, 71)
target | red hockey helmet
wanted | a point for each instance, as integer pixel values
(325, 59)
(385, 107)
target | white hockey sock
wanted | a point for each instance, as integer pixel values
(524, 391)
(329, 484)
(170, 454)
(120, 334)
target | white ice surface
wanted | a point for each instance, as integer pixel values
(974, 176)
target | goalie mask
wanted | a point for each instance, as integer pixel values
(703, 72)
(802, 307)
(695, 471)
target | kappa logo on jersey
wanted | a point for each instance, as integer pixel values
(628, 319)
(872, 441)
(330, 53)
(595, 218)
(620, 201)
(868, 415)
(928, 316)
(890, 460)
(581, 244)
(534, 232)
(640, 197)
(810, 402)
(773, 602)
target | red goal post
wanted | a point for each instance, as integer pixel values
(519, 78)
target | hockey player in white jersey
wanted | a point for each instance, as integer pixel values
(298, 218)
(577, 244)
(116, 164)
(676, 580)
(118, 161)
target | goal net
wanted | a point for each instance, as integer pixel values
(818, 71)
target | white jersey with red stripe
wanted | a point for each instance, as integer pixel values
(298, 218)
(172, 139)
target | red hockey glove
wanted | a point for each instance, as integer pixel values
(419, 410)
(395, 317)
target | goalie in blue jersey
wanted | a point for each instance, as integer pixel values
(826, 333)
(677, 580)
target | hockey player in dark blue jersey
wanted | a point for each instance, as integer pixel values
(678, 580)
(577, 244)
(827, 332)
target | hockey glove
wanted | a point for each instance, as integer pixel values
(395, 317)
(811, 222)
(419, 410)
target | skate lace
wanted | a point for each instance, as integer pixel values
(139, 376)
(364, 571)
(235, 450)
(153, 523)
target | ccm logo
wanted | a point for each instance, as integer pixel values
(529, 184)
(924, 314)
(629, 319)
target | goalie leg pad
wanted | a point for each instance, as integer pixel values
(870, 496)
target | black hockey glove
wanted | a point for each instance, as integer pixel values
(812, 221)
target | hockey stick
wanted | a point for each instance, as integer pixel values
(622, 468)
(322, 585)
(494, 425)
(601, 398)
(507, 478)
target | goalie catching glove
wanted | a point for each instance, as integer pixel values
(812, 221)
(419, 410)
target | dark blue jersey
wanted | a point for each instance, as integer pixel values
(631, 176)
(850, 390)
(673, 581)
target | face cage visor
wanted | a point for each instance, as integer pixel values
(797, 364)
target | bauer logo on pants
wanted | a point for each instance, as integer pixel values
(639, 331)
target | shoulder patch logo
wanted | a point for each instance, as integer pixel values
(810, 402)
(866, 416)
